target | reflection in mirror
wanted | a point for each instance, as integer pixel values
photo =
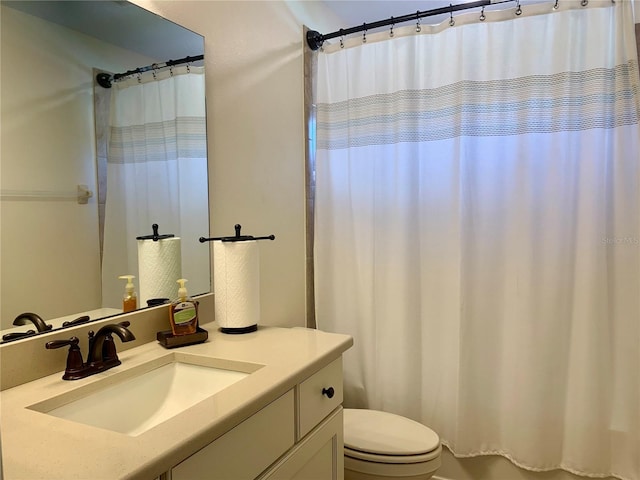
(83, 173)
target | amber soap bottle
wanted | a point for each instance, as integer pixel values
(130, 299)
(183, 313)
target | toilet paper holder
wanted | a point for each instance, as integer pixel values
(237, 237)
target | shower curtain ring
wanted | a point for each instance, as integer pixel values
(364, 34)
(584, 3)
(418, 27)
(452, 22)
(392, 25)
(482, 16)
(341, 39)
(556, 6)
(519, 9)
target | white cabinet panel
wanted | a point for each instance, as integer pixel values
(247, 450)
(319, 456)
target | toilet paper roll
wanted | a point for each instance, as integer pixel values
(159, 268)
(236, 282)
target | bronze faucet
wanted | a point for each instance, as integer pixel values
(33, 318)
(102, 351)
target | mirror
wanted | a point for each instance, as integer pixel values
(56, 259)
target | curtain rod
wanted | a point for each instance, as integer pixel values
(105, 79)
(315, 39)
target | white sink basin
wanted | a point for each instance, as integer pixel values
(149, 397)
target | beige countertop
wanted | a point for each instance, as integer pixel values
(36, 445)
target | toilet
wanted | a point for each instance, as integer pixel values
(382, 445)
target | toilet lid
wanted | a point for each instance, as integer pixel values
(384, 433)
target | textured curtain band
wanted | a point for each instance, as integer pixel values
(533, 104)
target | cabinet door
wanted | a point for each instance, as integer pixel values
(247, 450)
(319, 456)
(321, 466)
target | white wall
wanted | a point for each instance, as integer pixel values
(47, 143)
(254, 75)
(253, 58)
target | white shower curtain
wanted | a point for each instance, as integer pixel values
(156, 173)
(478, 231)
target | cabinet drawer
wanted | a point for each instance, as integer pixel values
(248, 449)
(313, 404)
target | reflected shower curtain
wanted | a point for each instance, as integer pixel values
(156, 173)
(478, 231)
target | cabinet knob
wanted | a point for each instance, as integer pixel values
(329, 392)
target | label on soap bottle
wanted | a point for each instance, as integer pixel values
(184, 312)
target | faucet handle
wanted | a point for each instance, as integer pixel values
(15, 335)
(77, 321)
(75, 365)
(73, 341)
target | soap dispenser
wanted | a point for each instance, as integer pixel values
(183, 313)
(130, 299)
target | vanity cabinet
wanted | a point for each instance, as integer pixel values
(296, 437)
(282, 421)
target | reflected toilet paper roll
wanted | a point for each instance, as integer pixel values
(236, 282)
(159, 268)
